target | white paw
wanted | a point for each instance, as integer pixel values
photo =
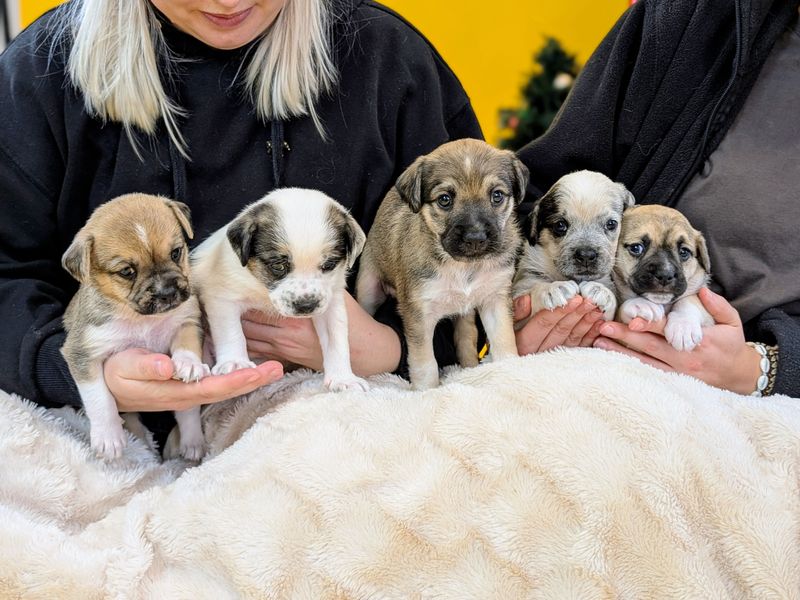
(108, 440)
(229, 366)
(192, 447)
(340, 383)
(642, 308)
(683, 334)
(558, 294)
(602, 297)
(188, 366)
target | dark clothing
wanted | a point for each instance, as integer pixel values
(655, 100)
(396, 99)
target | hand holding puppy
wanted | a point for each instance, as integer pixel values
(722, 358)
(576, 324)
(143, 381)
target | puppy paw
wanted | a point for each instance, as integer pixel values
(340, 383)
(602, 297)
(188, 366)
(108, 440)
(683, 334)
(229, 366)
(192, 449)
(559, 293)
(642, 308)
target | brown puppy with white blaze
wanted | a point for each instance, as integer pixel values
(132, 262)
(445, 243)
(662, 262)
(573, 242)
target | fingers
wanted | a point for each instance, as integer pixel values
(719, 308)
(651, 344)
(256, 316)
(570, 329)
(532, 336)
(640, 324)
(608, 344)
(141, 365)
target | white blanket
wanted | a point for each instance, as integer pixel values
(572, 474)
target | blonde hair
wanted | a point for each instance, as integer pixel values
(117, 48)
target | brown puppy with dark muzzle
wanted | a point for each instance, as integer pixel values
(662, 262)
(132, 262)
(445, 242)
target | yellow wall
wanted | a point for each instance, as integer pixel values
(489, 45)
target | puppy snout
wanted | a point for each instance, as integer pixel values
(663, 274)
(165, 290)
(586, 256)
(305, 305)
(475, 239)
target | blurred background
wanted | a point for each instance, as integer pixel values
(515, 58)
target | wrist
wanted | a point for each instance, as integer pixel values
(767, 368)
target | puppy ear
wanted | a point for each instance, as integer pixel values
(354, 239)
(520, 178)
(628, 199)
(184, 216)
(242, 235)
(77, 259)
(409, 184)
(702, 253)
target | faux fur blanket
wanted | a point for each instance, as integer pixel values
(571, 474)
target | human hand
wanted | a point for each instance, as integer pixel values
(722, 359)
(575, 324)
(142, 381)
(374, 347)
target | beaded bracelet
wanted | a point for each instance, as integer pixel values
(769, 368)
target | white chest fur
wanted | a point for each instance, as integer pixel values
(460, 288)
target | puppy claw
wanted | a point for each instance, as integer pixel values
(642, 308)
(189, 367)
(108, 441)
(340, 384)
(683, 334)
(193, 452)
(229, 366)
(559, 293)
(600, 296)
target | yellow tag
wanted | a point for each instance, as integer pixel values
(484, 351)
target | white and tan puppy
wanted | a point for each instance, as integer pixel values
(445, 242)
(573, 236)
(287, 254)
(132, 262)
(662, 262)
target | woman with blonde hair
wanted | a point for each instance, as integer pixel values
(213, 103)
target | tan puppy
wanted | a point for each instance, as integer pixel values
(287, 254)
(445, 242)
(132, 262)
(662, 262)
(573, 240)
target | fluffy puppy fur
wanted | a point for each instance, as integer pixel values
(132, 262)
(573, 236)
(662, 262)
(287, 254)
(445, 242)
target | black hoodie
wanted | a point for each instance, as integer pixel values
(396, 99)
(655, 100)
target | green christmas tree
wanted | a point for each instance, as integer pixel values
(544, 93)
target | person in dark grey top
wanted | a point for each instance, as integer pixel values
(694, 105)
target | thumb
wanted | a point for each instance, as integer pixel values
(720, 309)
(142, 365)
(522, 307)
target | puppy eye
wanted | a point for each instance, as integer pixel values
(498, 197)
(560, 227)
(175, 255)
(329, 265)
(611, 224)
(444, 201)
(684, 253)
(128, 273)
(278, 268)
(635, 249)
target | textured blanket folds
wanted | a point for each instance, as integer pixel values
(571, 474)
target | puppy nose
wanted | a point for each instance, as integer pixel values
(586, 255)
(664, 276)
(305, 305)
(475, 236)
(165, 289)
